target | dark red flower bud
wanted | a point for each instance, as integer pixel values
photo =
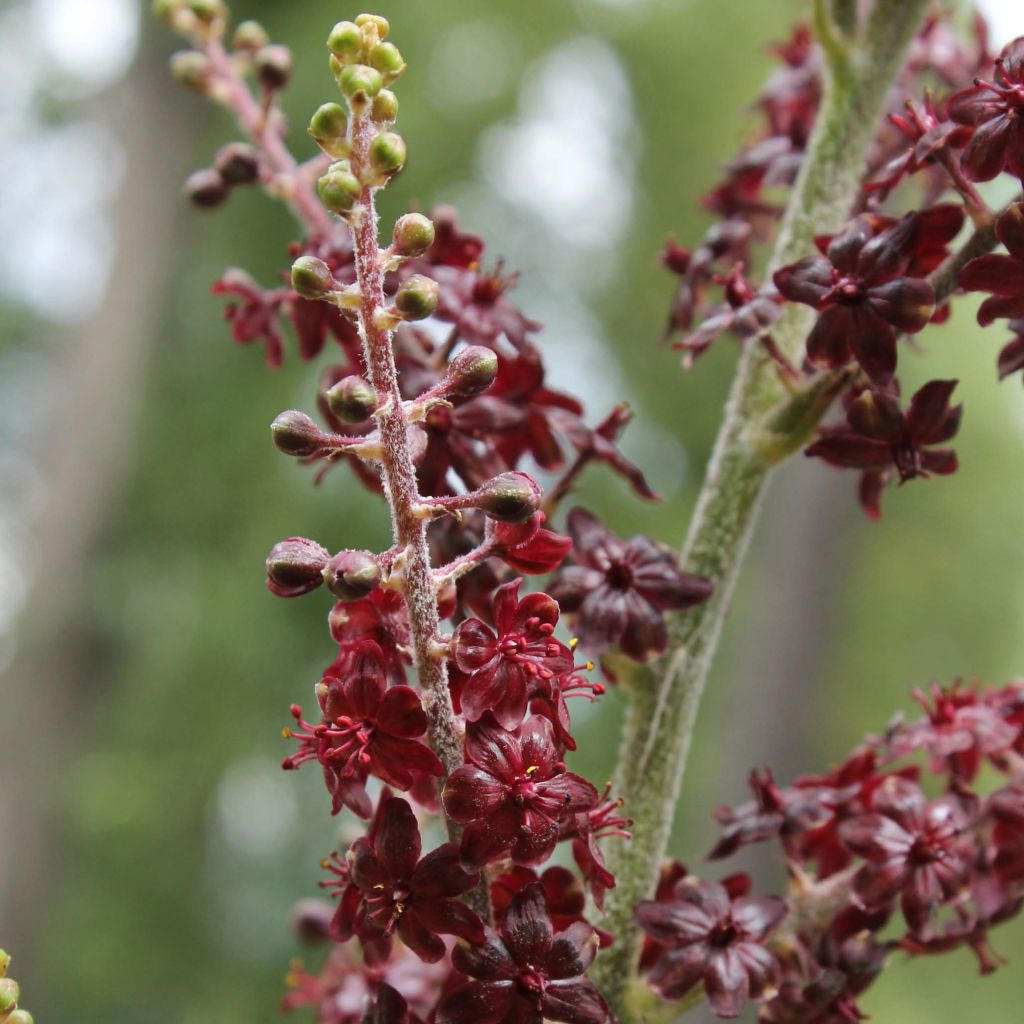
(296, 434)
(310, 920)
(352, 399)
(295, 566)
(273, 65)
(471, 372)
(205, 188)
(352, 575)
(238, 163)
(509, 498)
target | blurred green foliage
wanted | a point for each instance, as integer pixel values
(183, 846)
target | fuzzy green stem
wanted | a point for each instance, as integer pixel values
(666, 695)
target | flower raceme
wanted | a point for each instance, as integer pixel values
(450, 679)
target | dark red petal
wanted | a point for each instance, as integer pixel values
(474, 645)
(367, 870)
(874, 348)
(844, 249)
(995, 272)
(1000, 307)
(388, 1007)
(985, 155)
(449, 917)
(472, 793)
(543, 553)
(487, 839)
(970, 105)
(500, 689)
(678, 971)
(488, 960)
(674, 923)
(536, 605)
(506, 600)
(941, 461)
(419, 938)
(477, 1003)
(572, 584)
(591, 537)
(726, 983)
(1010, 231)
(876, 415)
(526, 927)
(907, 303)
(758, 916)
(850, 451)
(439, 875)
(574, 1002)
(398, 838)
(401, 713)
(806, 281)
(536, 837)
(492, 748)
(828, 342)
(1011, 358)
(930, 420)
(538, 747)
(602, 619)
(572, 951)
(363, 689)
(761, 967)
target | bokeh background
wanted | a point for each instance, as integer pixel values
(150, 846)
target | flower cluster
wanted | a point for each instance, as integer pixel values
(877, 860)
(10, 993)
(884, 276)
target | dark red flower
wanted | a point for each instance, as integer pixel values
(915, 851)
(1002, 274)
(513, 793)
(1011, 356)
(619, 589)
(382, 618)
(883, 442)
(528, 548)
(585, 829)
(400, 892)
(565, 895)
(367, 729)
(861, 289)
(501, 664)
(712, 938)
(525, 972)
(994, 110)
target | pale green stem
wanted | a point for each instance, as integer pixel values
(666, 695)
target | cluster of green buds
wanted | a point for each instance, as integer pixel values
(9, 995)
(363, 64)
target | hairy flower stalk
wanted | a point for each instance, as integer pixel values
(665, 697)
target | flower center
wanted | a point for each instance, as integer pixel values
(619, 575)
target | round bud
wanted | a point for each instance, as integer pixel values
(5, 962)
(295, 566)
(382, 25)
(207, 11)
(387, 153)
(238, 163)
(384, 106)
(509, 498)
(339, 188)
(345, 41)
(471, 372)
(20, 1017)
(417, 298)
(359, 84)
(352, 399)
(311, 277)
(9, 993)
(310, 920)
(387, 59)
(352, 575)
(250, 36)
(414, 234)
(295, 433)
(273, 66)
(164, 9)
(205, 188)
(191, 69)
(329, 122)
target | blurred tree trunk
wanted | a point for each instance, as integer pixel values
(81, 455)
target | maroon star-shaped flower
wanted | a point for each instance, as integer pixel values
(619, 589)
(525, 972)
(513, 793)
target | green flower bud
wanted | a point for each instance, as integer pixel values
(384, 106)
(346, 42)
(191, 69)
(352, 575)
(165, 9)
(294, 433)
(417, 298)
(273, 66)
(471, 372)
(205, 188)
(380, 23)
(9, 993)
(352, 399)
(387, 59)
(311, 277)
(250, 36)
(339, 188)
(414, 234)
(387, 153)
(359, 84)
(329, 126)
(5, 962)
(509, 498)
(238, 163)
(208, 11)
(20, 1017)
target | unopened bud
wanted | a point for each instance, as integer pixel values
(380, 23)
(387, 59)
(5, 962)
(310, 920)
(165, 9)
(471, 372)
(385, 106)
(273, 66)
(414, 234)
(339, 188)
(387, 153)
(311, 277)
(295, 566)
(509, 498)
(205, 188)
(207, 11)
(359, 84)
(352, 575)
(191, 69)
(250, 36)
(352, 399)
(9, 993)
(296, 434)
(346, 41)
(417, 298)
(329, 126)
(238, 163)
(20, 1017)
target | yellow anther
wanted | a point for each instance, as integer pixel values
(533, 768)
